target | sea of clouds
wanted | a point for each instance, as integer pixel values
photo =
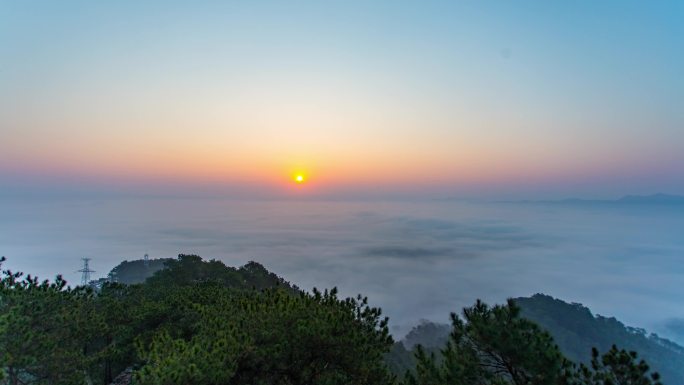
(415, 259)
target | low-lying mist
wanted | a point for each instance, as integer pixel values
(415, 259)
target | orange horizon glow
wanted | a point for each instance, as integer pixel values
(258, 170)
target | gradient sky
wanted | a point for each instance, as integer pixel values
(480, 97)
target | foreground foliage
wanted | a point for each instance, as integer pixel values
(270, 337)
(195, 322)
(198, 322)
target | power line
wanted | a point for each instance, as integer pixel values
(85, 271)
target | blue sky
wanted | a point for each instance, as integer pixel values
(461, 97)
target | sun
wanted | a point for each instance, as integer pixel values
(299, 178)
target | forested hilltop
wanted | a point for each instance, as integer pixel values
(202, 322)
(573, 327)
(132, 272)
(576, 330)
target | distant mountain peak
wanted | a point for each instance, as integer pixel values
(653, 198)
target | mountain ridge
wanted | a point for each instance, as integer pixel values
(574, 328)
(651, 199)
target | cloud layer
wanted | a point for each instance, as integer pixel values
(414, 259)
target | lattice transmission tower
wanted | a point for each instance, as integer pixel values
(85, 271)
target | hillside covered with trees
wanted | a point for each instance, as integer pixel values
(202, 322)
(132, 272)
(574, 329)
